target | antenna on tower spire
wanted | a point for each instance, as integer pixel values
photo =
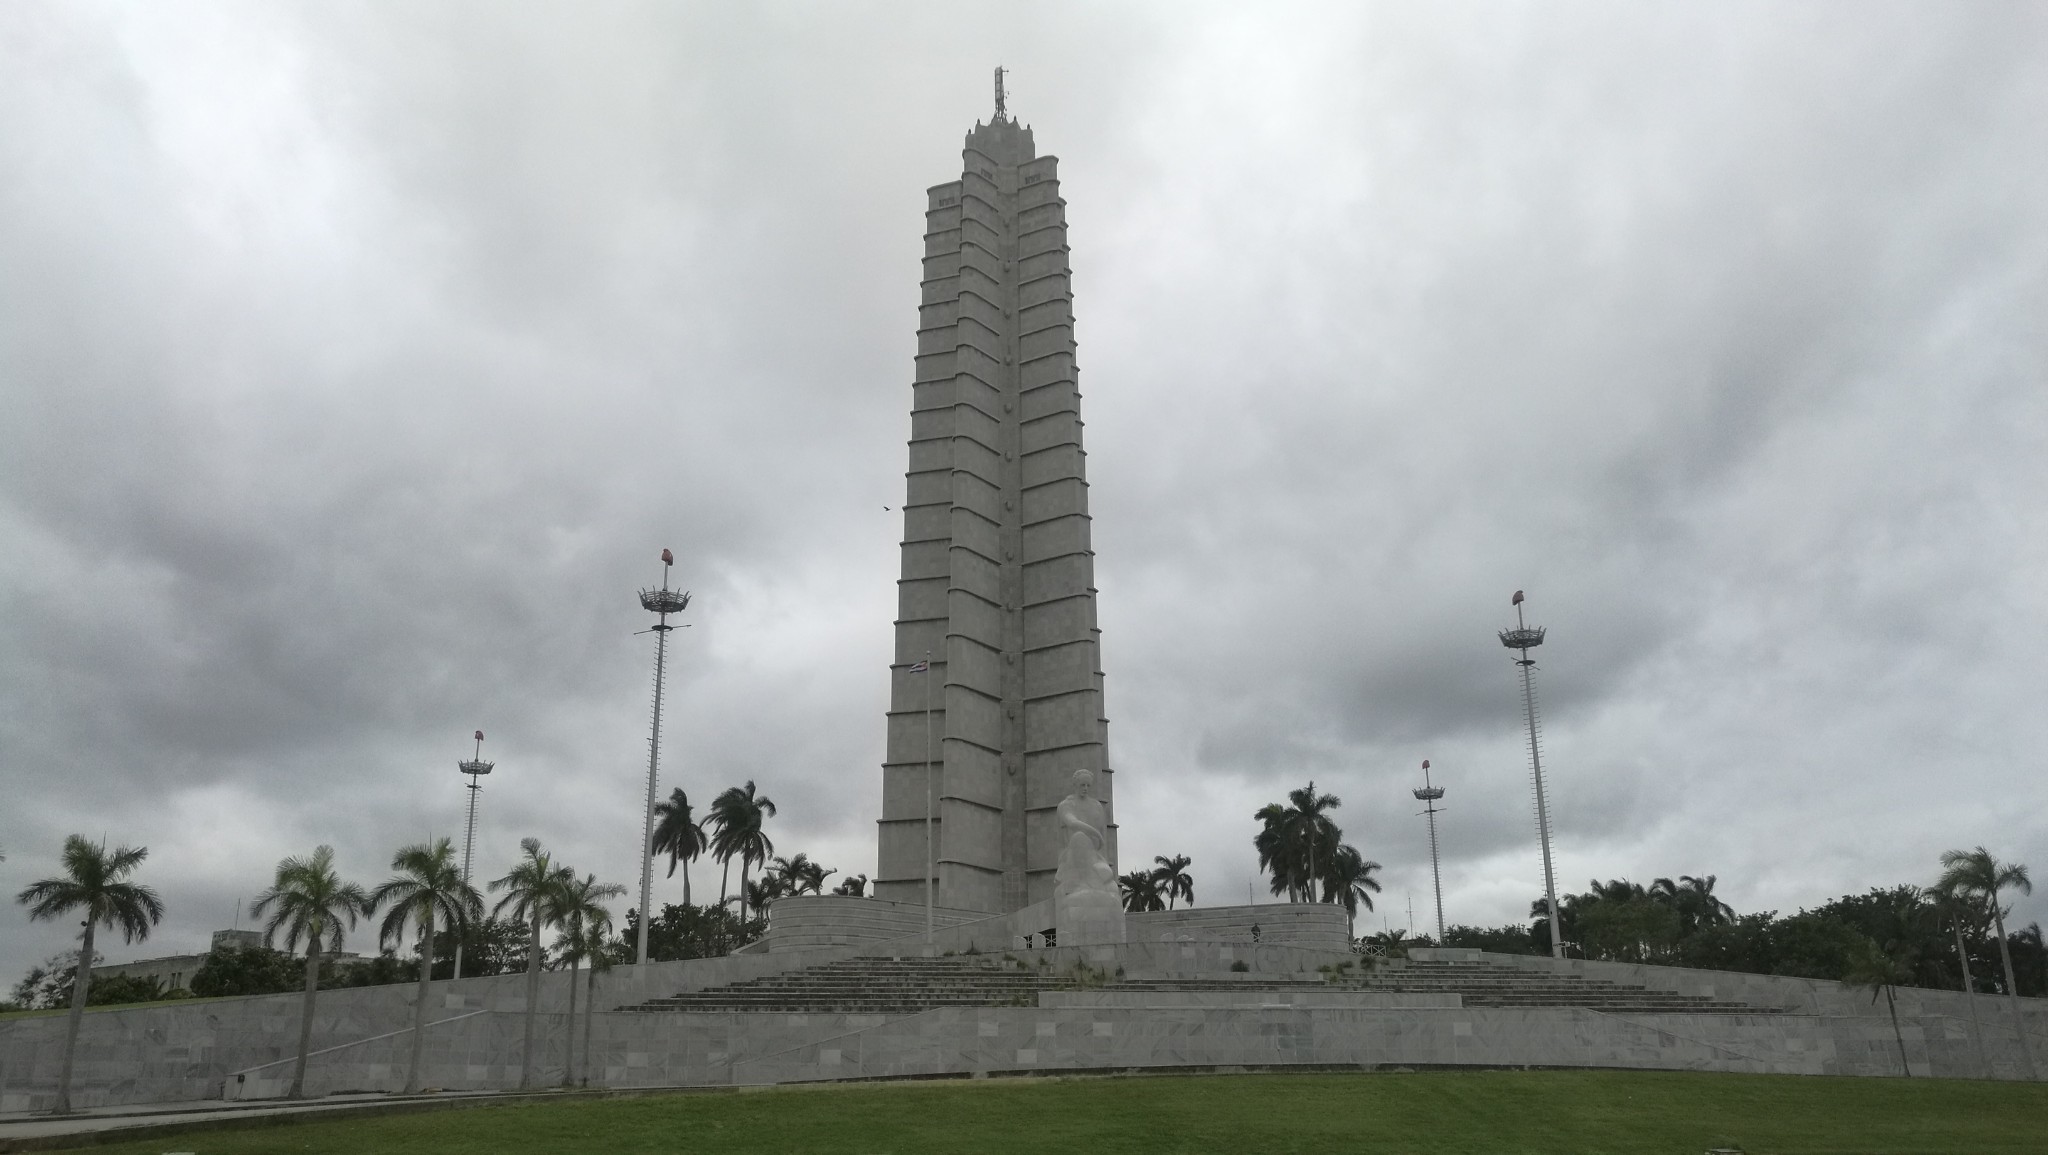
(1002, 109)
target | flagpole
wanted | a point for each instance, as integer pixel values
(929, 864)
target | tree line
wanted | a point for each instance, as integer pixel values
(1158, 888)
(1949, 934)
(1301, 850)
(735, 827)
(425, 909)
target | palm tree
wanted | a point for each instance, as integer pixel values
(95, 882)
(1693, 900)
(812, 874)
(1141, 891)
(1173, 878)
(1959, 908)
(1295, 842)
(582, 908)
(800, 875)
(308, 900)
(1274, 848)
(1881, 968)
(1348, 881)
(1977, 872)
(427, 888)
(534, 895)
(758, 895)
(678, 835)
(1615, 890)
(737, 816)
(596, 947)
(1568, 907)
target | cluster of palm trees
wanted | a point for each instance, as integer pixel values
(733, 828)
(1305, 853)
(1967, 894)
(309, 903)
(1686, 905)
(1159, 887)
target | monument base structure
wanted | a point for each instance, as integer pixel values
(1141, 1005)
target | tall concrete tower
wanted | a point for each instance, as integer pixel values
(998, 585)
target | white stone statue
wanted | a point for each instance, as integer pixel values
(1087, 907)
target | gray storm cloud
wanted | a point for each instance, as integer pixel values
(358, 362)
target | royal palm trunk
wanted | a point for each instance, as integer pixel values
(79, 983)
(419, 1011)
(532, 1002)
(2012, 990)
(569, 1040)
(589, 1006)
(298, 1088)
(1970, 997)
(1893, 1007)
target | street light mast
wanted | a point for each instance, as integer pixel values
(476, 768)
(1525, 638)
(661, 602)
(1429, 795)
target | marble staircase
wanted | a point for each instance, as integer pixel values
(902, 986)
(1483, 984)
(908, 985)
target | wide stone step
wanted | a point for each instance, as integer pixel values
(909, 985)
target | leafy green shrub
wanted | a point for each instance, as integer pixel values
(48, 986)
(248, 970)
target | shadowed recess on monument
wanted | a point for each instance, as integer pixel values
(997, 583)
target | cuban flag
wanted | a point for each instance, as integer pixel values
(921, 667)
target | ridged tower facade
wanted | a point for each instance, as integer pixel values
(998, 582)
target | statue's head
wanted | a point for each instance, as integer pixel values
(1084, 783)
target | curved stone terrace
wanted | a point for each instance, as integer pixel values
(902, 986)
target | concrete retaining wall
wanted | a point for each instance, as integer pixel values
(173, 1052)
(810, 921)
(1321, 925)
(196, 1050)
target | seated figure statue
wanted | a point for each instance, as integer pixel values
(1087, 907)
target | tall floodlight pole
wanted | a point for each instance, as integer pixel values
(476, 768)
(662, 602)
(1429, 796)
(1525, 638)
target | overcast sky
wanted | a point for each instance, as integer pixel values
(358, 360)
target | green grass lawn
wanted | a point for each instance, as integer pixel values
(1480, 1112)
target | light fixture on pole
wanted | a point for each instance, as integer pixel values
(1429, 795)
(476, 768)
(662, 602)
(1525, 637)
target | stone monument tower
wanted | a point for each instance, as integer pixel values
(998, 581)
